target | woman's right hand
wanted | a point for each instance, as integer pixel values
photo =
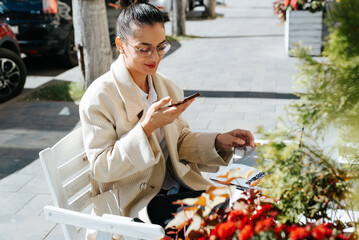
(158, 116)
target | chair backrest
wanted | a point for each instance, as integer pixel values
(67, 173)
(66, 170)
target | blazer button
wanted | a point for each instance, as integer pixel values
(143, 186)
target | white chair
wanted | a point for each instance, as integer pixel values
(67, 173)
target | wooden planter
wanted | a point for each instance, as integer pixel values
(306, 27)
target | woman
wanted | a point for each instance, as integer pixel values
(140, 149)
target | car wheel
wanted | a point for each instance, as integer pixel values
(69, 58)
(12, 74)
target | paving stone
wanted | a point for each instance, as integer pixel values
(11, 165)
(254, 100)
(199, 125)
(36, 205)
(33, 168)
(268, 116)
(14, 201)
(220, 108)
(228, 101)
(252, 117)
(4, 137)
(252, 108)
(57, 234)
(34, 143)
(20, 227)
(251, 126)
(12, 183)
(223, 116)
(36, 185)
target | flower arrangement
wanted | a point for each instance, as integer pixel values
(307, 188)
(281, 6)
(252, 216)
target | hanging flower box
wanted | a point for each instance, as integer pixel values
(305, 27)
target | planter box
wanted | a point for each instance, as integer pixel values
(306, 27)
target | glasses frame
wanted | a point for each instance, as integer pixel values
(152, 49)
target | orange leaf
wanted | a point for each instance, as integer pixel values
(232, 173)
(181, 219)
(248, 173)
(198, 201)
(224, 175)
(255, 182)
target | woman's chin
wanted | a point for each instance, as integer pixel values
(151, 71)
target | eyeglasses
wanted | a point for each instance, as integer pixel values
(161, 49)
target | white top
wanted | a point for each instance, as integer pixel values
(148, 100)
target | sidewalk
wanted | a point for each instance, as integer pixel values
(236, 55)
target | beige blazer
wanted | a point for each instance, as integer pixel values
(127, 168)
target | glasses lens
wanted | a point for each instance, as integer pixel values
(163, 49)
(145, 52)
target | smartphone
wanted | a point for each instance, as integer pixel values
(185, 99)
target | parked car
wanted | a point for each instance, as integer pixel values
(12, 68)
(165, 6)
(45, 27)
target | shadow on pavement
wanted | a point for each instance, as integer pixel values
(175, 46)
(44, 66)
(28, 127)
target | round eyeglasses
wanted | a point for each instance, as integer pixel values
(147, 51)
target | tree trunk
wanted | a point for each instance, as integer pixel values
(179, 18)
(91, 38)
(210, 7)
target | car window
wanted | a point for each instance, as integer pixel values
(20, 5)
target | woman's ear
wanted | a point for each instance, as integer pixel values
(119, 44)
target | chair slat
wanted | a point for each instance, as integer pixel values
(53, 178)
(74, 165)
(82, 201)
(69, 146)
(78, 183)
(102, 224)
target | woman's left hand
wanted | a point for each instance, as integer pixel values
(234, 138)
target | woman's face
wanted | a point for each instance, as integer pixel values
(144, 38)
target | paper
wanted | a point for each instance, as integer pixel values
(246, 176)
(245, 155)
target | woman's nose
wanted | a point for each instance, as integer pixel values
(155, 56)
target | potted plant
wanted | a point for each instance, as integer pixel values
(330, 85)
(303, 22)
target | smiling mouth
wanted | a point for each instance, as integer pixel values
(151, 65)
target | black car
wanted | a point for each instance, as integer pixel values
(45, 27)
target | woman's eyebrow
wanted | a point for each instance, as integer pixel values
(149, 44)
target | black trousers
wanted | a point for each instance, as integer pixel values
(160, 208)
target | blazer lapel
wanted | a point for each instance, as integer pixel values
(127, 88)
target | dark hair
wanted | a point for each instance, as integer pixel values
(139, 13)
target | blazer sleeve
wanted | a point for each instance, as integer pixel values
(111, 157)
(198, 147)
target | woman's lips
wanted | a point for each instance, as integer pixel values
(150, 66)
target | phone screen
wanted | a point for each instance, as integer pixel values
(185, 99)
